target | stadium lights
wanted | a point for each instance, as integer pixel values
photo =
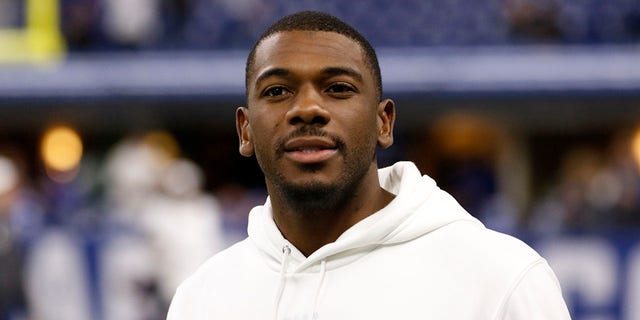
(635, 147)
(61, 151)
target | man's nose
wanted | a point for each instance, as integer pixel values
(308, 108)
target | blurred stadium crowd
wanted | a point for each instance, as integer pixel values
(208, 24)
(108, 242)
(108, 232)
(109, 235)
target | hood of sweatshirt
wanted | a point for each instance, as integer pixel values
(419, 208)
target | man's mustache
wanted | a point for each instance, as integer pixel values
(308, 131)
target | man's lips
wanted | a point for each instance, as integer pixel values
(310, 149)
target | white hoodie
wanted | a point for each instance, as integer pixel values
(421, 257)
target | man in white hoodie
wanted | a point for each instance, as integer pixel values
(338, 238)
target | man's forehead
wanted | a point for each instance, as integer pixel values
(298, 47)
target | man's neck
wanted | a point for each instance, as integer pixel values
(308, 231)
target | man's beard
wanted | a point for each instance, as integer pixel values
(314, 199)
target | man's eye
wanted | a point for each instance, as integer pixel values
(275, 92)
(340, 88)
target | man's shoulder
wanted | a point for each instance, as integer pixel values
(470, 253)
(483, 245)
(528, 285)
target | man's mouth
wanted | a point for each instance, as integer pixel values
(307, 150)
(310, 149)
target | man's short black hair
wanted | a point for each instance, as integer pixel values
(319, 21)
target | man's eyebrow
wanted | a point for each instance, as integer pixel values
(279, 72)
(329, 71)
(336, 71)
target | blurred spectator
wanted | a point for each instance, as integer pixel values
(21, 223)
(80, 24)
(615, 189)
(131, 169)
(183, 225)
(565, 206)
(220, 24)
(596, 189)
(45, 264)
(463, 152)
(57, 278)
(12, 297)
(132, 23)
(128, 279)
(164, 225)
(21, 207)
(532, 20)
(229, 24)
(61, 263)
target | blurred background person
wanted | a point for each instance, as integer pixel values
(21, 221)
(132, 24)
(183, 224)
(165, 225)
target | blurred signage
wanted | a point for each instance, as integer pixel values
(39, 40)
(599, 274)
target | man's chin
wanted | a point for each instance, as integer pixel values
(310, 180)
(309, 189)
(312, 197)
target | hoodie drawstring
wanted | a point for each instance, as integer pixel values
(323, 271)
(286, 251)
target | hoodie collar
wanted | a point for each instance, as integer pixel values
(418, 208)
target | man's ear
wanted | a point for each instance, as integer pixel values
(386, 120)
(244, 131)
